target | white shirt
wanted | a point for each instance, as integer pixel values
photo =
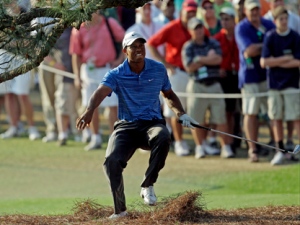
(148, 31)
(293, 20)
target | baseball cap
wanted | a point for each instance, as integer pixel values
(206, 1)
(193, 23)
(131, 37)
(228, 11)
(189, 5)
(251, 4)
(278, 11)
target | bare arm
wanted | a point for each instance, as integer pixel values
(76, 64)
(155, 53)
(173, 102)
(253, 50)
(275, 61)
(211, 59)
(294, 63)
(95, 100)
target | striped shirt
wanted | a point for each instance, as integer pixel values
(138, 94)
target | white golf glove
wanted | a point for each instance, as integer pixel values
(187, 120)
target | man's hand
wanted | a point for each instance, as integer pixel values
(84, 120)
(187, 120)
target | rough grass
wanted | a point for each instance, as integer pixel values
(184, 208)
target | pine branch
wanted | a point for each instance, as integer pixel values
(22, 52)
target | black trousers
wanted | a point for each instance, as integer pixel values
(126, 138)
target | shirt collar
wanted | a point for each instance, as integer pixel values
(128, 70)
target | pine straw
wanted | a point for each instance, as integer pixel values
(185, 208)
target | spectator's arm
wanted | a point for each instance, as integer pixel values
(275, 61)
(253, 50)
(295, 63)
(214, 55)
(76, 64)
(191, 63)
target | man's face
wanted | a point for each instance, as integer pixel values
(168, 8)
(275, 3)
(185, 16)
(136, 51)
(145, 12)
(282, 22)
(198, 32)
(253, 15)
(209, 11)
(227, 21)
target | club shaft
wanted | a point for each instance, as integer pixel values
(234, 136)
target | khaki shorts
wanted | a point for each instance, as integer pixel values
(91, 81)
(253, 105)
(65, 98)
(197, 107)
(178, 82)
(283, 106)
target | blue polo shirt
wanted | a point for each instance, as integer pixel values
(138, 94)
(246, 34)
(276, 45)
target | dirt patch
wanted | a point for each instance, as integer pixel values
(185, 208)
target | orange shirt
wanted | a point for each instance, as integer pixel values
(173, 35)
(265, 7)
(230, 52)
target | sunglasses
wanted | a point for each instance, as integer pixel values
(208, 7)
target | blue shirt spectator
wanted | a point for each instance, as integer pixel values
(246, 34)
(276, 45)
(140, 103)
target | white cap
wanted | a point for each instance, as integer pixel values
(131, 37)
(228, 11)
(251, 4)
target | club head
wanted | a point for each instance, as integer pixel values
(296, 149)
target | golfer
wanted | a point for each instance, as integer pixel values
(137, 82)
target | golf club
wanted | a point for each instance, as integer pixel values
(295, 151)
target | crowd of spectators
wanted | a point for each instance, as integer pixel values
(208, 46)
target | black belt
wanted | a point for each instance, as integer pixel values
(207, 82)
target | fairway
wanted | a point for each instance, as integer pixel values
(44, 179)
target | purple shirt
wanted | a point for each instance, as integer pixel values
(276, 45)
(246, 34)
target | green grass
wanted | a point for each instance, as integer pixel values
(38, 178)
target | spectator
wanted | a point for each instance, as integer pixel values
(141, 123)
(65, 92)
(220, 4)
(174, 35)
(249, 35)
(281, 56)
(155, 10)
(90, 65)
(17, 92)
(229, 67)
(211, 22)
(201, 58)
(147, 27)
(167, 12)
(293, 23)
(239, 7)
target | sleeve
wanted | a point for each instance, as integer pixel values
(109, 80)
(75, 42)
(297, 47)
(117, 29)
(266, 53)
(216, 46)
(166, 82)
(242, 38)
(187, 55)
(160, 37)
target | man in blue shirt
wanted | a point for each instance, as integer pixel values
(281, 54)
(249, 35)
(137, 82)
